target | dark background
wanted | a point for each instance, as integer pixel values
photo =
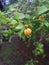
(3, 3)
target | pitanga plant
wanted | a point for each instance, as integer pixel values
(35, 29)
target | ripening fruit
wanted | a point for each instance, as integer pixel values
(41, 18)
(27, 32)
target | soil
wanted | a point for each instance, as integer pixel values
(16, 53)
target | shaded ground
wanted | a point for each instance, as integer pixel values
(16, 53)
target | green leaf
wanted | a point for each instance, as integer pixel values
(30, 62)
(5, 33)
(40, 45)
(14, 22)
(26, 64)
(46, 24)
(19, 16)
(27, 16)
(19, 27)
(41, 51)
(41, 1)
(20, 33)
(41, 10)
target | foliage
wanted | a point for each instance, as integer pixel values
(15, 21)
(30, 63)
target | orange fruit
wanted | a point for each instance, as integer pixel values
(41, 18)
(27, 32)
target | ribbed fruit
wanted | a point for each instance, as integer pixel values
(27, 32)
(41, 18)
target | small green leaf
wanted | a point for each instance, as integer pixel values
(19, 27)
(19, 16)
(41, 51)
(27, 16)
(46, 24)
